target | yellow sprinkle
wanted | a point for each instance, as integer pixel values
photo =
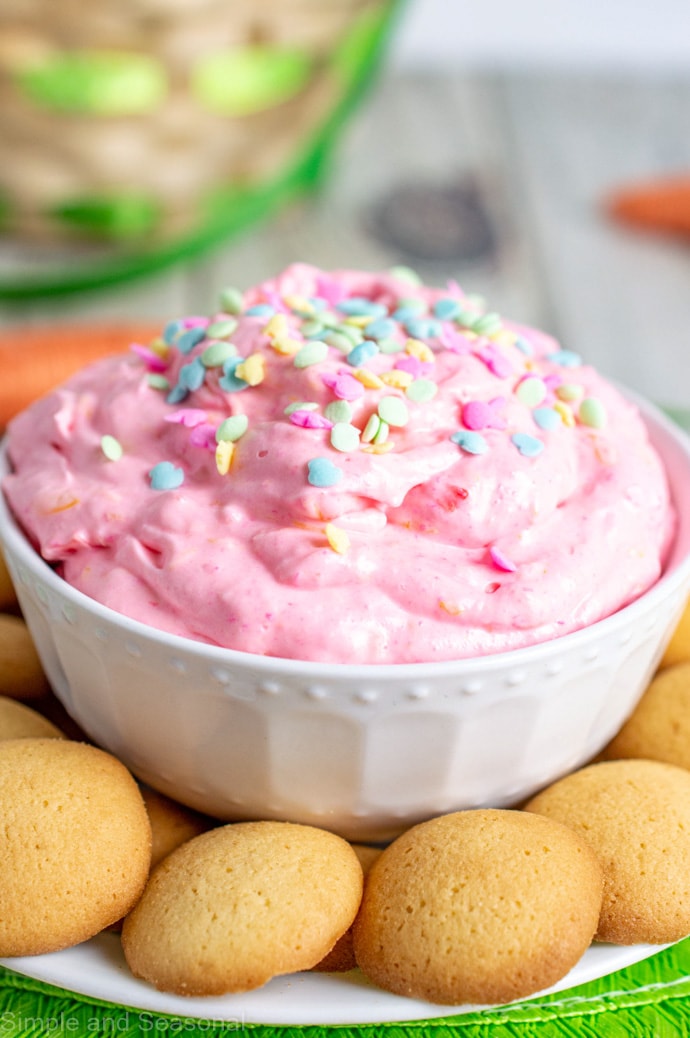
(368, 378)
(287, 347)
(337, 538)
(397, 379)
(277, 327)
(160, 347)
(565, 412)
(420, 350)
(252, 370)
(358, 320)
(299, 303)
(378, 448)
(448, 607)
(504, 337)
(224, 453)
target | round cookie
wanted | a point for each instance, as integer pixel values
(21, 673)
(342, 956)
(678, 649)
(635, 814)
(172, 824)
(240, 904)
(478, 906)
(659, 727)
(77, 844)
(19, 721)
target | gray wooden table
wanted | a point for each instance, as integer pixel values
(497, 180)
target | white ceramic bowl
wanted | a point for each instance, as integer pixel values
(363, 750)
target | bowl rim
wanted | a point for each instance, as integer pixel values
(668, 583)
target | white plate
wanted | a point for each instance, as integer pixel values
(98, 969)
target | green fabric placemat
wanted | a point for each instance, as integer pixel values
(650, 998)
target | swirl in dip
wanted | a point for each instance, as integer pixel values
(345, 467)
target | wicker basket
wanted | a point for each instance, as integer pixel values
(137, 120)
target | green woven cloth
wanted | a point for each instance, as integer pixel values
(651, 998)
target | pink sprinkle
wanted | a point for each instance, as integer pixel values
(497, 364)
(203, 436)
(478, 414)
(552, 381)
(195, 322)
(501, 561)
(310, 420)
(152, 360)
(411, 364)
(452, 340)
(188, 416)
(454, 288)
(276, 301)
(344, 386)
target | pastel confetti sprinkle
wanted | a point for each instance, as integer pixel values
(286, 347)
(423, 327)
(487, 324)
(337, 538)
(112, 448)
(393, 411)
(397, 378)
(166, 476)
(344, 386)
(528, 446)
(592, 412)
(231, 300)
(313, 352)
(371, 428)
(192, 375)
(216, 353)
(152, 360)
(310, 420)
(187, 416)
(301, 405)
(570, 391)
(382, 433)
(446, 309)
(252, 370)
(260, 310)
(338, 411)
(565, 359)
(547, 418)
(470, 442)
(171, 331)
(232, 428)
(566, 413)
(345, 437)
(368, 378)
(340, 342)
(496, 362)
(420, 350)
(359, 355)
(501, 561)
(381, 328)
(222, 329)
(277, 327)
(203, 435)
(356, 306)
(158, 381)
(225, 450)
(323, 473)
(189, 339)
(480, 414)
(531, 391)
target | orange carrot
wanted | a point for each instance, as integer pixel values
(658, 205)
(33, 360)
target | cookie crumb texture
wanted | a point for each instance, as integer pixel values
(240, 904)
(76, 844)
(635, 814)
(478, 907)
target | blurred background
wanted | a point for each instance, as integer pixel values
(154, 151)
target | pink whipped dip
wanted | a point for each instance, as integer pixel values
(404, 477)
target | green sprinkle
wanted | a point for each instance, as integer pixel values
(312, 327)
(487, 324)
(592, 412)
(421, 390)
(393, 411)
(215, 355)
(403, 273)
(232, 428)
(531, 391)
(301, 405)
(569, 391)
(338, 411)
(338, 341)
(157, 381)
(111, 447)
(382, 432)
(221, 329)
(371, 429)
(390, 345)
(351, 332)
(344, 437)
(231, 301)
(312, 352)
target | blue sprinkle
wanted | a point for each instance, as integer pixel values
(323, 473)
(260, 310)
(524, 346)
(471, 442)
(565, 358)
(381, 328)
(423, 327)
(447, 309)
(189, 339)
(171, 331)
(546, 417)
(360, 354)
(318, 303)
(177, 394)
(166, 476)
(231, 384)
(192, 375)
(357, 306)
(408, 311)
(528, 445)
(230, 363)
